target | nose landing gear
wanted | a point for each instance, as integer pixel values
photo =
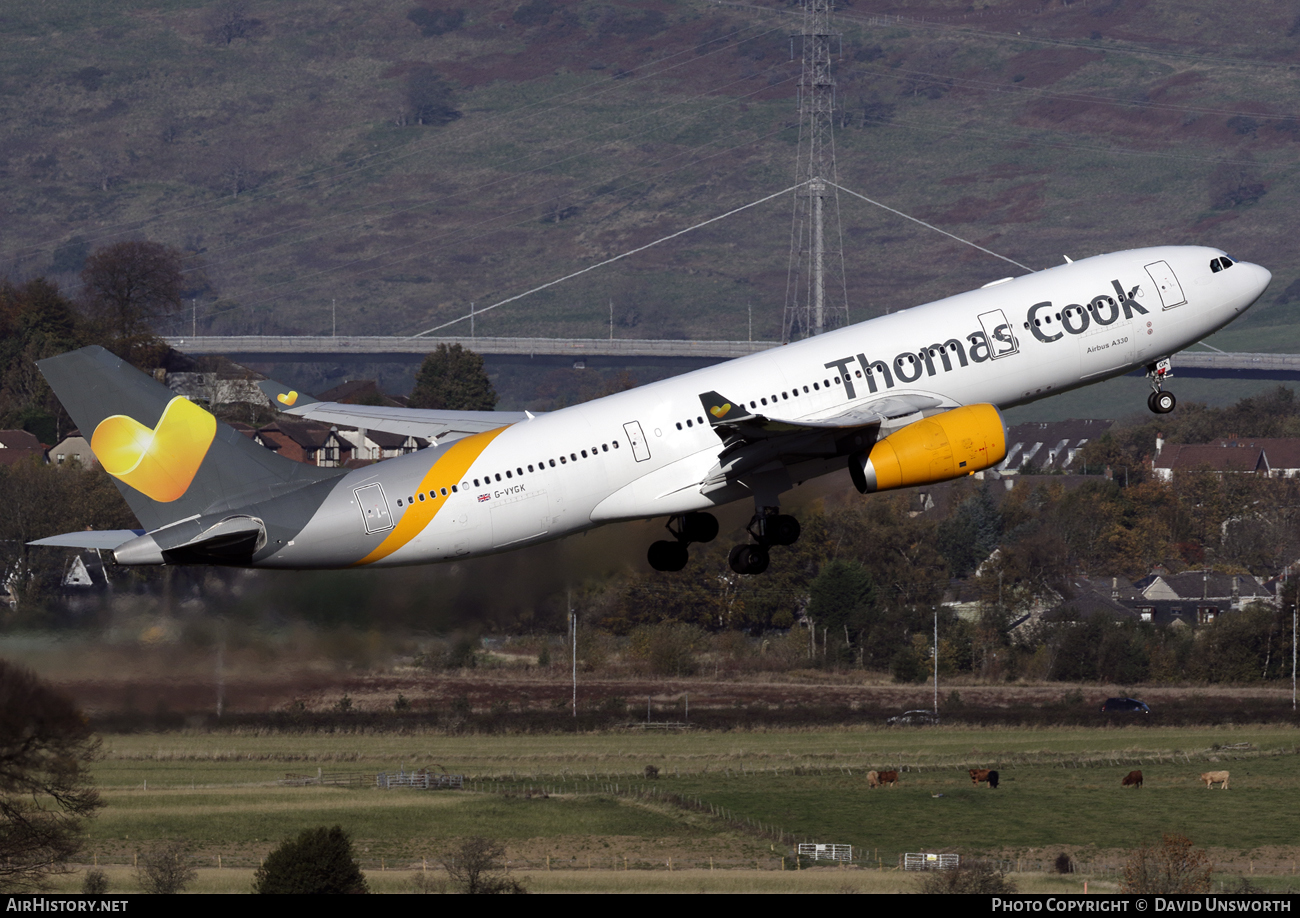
(1160, 401)
(685, 528)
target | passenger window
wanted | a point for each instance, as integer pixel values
(679, 425)
(764, 401)
(530, 468)
(604, 447)
(421, 496)
(399, 502)
(615, 444)
(552, 463)
(498, 474)
(785, 396)
(584, 454)
(508, 475)
(563, 461)
(476, 484)
(519, 472)
(444, 490)
(453, 488)
(688, 423)
(573, 456)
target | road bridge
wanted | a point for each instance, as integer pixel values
(617, 351)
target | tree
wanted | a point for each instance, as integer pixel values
(317, 861)
(1173, 866)
(46, 747)
(453, 378)
(126, 286)
(472, 866)
(165, 868)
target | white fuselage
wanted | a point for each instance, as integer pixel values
(646, 452)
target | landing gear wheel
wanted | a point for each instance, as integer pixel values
(1162, 402)
(749, 559)
(783, 530)
(668, 556)
(699, 527)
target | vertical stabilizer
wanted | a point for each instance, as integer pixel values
(170, 458)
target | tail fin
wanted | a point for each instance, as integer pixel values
(171, 459)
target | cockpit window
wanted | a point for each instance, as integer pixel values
(1220, 264)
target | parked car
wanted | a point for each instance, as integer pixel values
(914, 718)
(1124, 706)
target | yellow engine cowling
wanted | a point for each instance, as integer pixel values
(948, 445)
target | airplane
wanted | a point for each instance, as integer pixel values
(904, 399)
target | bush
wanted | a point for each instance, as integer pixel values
(317, 861)
(94, 883)
(165, 868)
(972, 878)
(1172, 866)
(472, 867)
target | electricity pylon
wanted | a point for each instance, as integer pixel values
(808, 311)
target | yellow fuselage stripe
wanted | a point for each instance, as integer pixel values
(448, 470)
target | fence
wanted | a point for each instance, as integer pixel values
(827, 852)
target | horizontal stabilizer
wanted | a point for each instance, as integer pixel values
(103, 539)
(430, 423)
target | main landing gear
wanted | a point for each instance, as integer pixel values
(1160, 401)
(685, 528)
(768, 527)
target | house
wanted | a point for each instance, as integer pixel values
(74, 448)
(1049, 446)
(18, 445)
(1198, 596)
(1270, 457)
(306, 441)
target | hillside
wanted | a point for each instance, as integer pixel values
(398, 161)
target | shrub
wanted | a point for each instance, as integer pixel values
(1172, 866)
(317, 861)
(472, 867)
(973, 878)
(165, 868)
(95, 883)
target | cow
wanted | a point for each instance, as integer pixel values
(993, 780)
(1132, 779)
(888, 777)
(1211, 776)
(978, 775)
(873, 779)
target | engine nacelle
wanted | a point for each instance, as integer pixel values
(948, 445)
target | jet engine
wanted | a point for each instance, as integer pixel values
(948, 445)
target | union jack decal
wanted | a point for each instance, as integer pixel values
(483, 497)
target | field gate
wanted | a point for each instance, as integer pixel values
(931, 861)
(827, 852)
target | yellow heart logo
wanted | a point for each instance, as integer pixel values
(159, 462)
(289, 399)
(719, 412)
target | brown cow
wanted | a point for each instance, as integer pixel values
(888, 777)
(1132, 779)
(979, 775)
(1211, 776)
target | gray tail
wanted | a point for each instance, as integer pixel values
(170, 458)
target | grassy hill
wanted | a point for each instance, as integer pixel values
(398, 161)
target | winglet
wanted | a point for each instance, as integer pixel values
(282, 397)
(722, 410)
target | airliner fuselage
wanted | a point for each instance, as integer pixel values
(805, 409)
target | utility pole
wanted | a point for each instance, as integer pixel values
(807, 311)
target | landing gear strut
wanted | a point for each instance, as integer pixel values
(1160, 401)
(768, 527)
(685, 529)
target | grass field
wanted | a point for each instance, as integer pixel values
(575, 811)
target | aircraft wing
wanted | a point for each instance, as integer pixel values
(754, 442)
(737, 425)
(430, 423)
